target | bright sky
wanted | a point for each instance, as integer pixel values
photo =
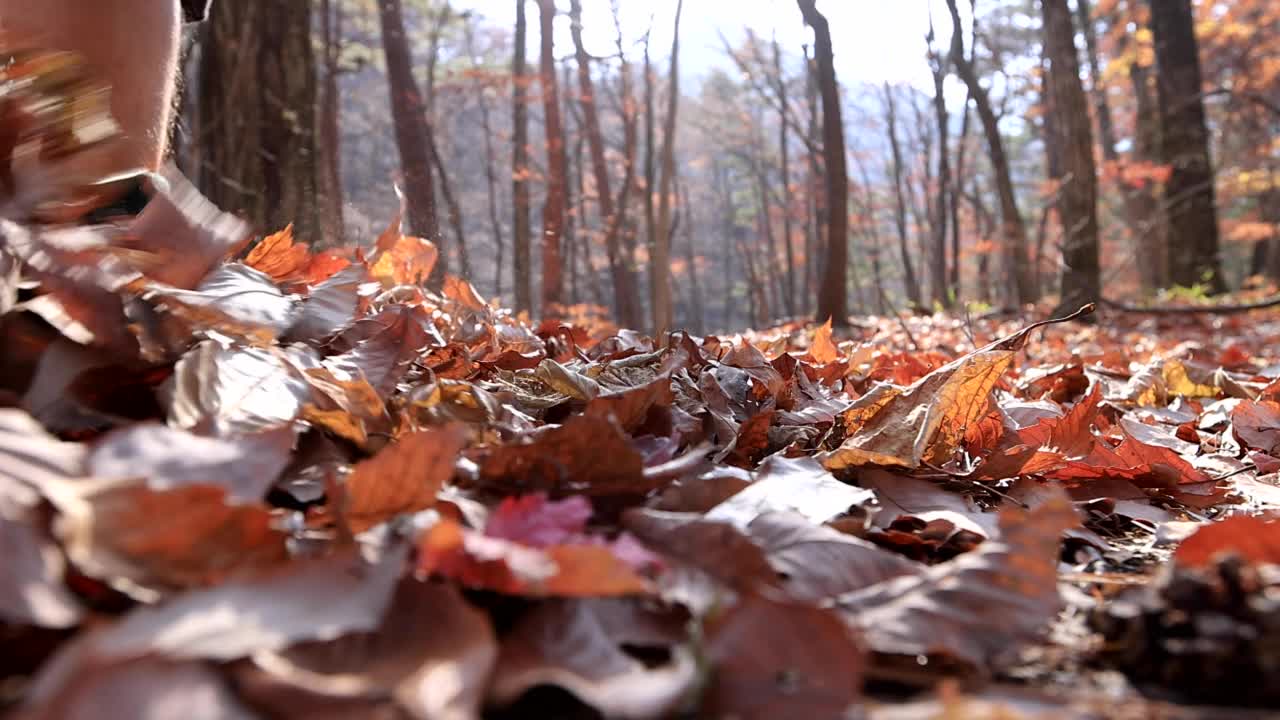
(875, 40)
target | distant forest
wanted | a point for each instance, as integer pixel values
(1065, 149)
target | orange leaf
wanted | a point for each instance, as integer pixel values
(823, 350)
(1252, 538)
(279, 256)
(409, 260)
(402, 478)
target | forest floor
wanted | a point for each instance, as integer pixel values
(287, 483)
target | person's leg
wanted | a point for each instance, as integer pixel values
(131, 44)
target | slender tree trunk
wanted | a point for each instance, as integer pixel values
(833, 301)
(813, 189)
(575, 216)
(490, 167)
(1013, 229)
(661, 260)
(553, 209)
(943, 290)
(455, 210)
(1078, 188)
(911, 285)
(619, 273)
(408, 113)
(332, 225)
(650, 173)
(522, 269)
(1189, 196)
(784, 127)
(958, 187)
(1101, 109)
(618, 234)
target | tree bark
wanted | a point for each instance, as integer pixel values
(1078, 185)
(650, 172)
(1012, 228)
(332, 225)
(661, 259)
(408, 114)
(522, 269)
(1150, 221)
(1189, 195)
(943, 290)
(617, 233)
(553, 209)
(910, 284)
(832, 297)
(257, 120)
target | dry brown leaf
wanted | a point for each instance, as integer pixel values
(925, 422)
(402, 478)
(148, 542)
(432, 652)
(977, 609)
(781, 659)
(582, 646)
(477, 560)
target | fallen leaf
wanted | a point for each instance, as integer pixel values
(781, 659)
(921, 423)
(279, 256)
(402, 478)
(582, 456)
(226, 391)
(800, 484)
(977, 609)
(823, 350)
(431, 651)
(588, 647)
(1252, 539)
(148, 542)
(1257, 425)
(167, 458)
(566, 570)
(818, 563)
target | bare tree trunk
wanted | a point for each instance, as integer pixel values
(413, 132)
(522, 279)
(618, 270)
(661, 259)
(943, 291)
(1106, 127)
(1078, 190)
(332, 225)
(575, 213)
(784, 127)
(813, 188)
(911, 285)
(553, 210)
(650, 172)
(833, 301)
(624, 285)
(958, 190)
(1189, 196)
(258, 67)
(437, 161)
(1013, 229)
(490, 168)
